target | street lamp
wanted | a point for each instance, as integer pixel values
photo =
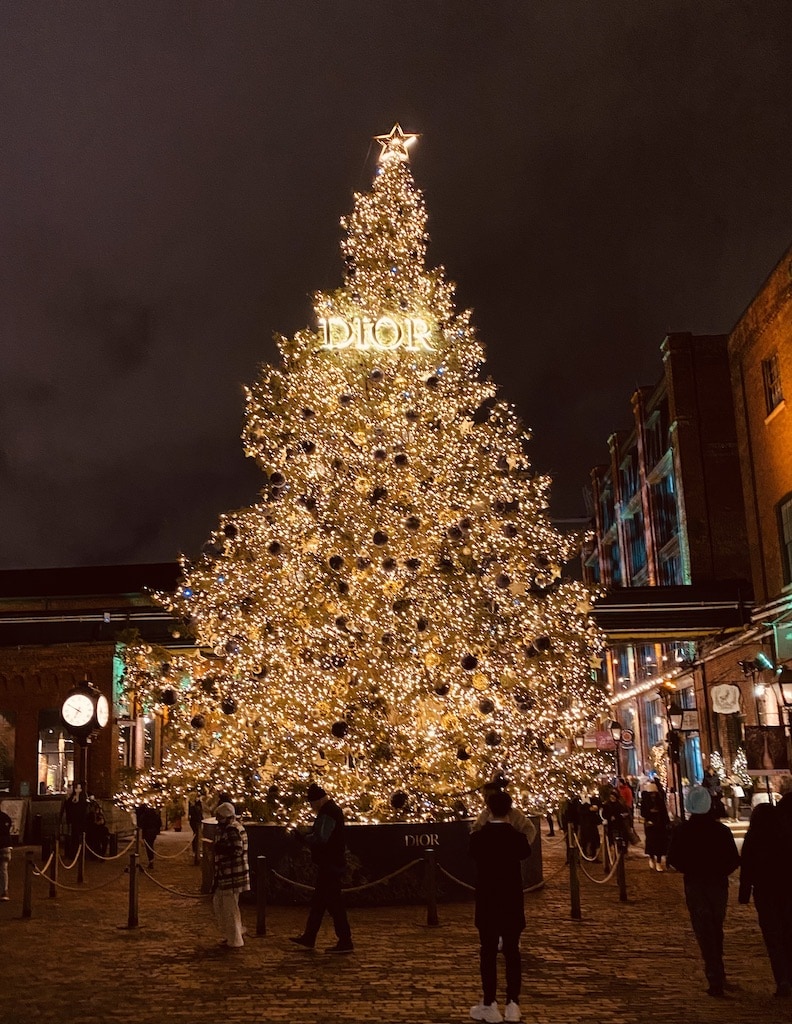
(676, 718)
(616, 733)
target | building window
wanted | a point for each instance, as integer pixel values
(772, 382)
(785, 526)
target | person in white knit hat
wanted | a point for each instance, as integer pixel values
(231, 874)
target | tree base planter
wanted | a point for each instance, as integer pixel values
(381, 862)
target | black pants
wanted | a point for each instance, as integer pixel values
(149, 838)
(488, 958)
(706, 901)
(775, 920)
(327, 896)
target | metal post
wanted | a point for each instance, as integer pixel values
(197, 841)
(574, 880)
(261, 895)
(430, 878)
(53, 890)
(27, 892)
(621, 875)
(207, 866)
(132, 917)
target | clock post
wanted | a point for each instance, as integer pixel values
(85, 710)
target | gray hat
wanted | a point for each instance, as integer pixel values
(698, 800)
(225, 810)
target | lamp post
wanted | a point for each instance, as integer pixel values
(676, 717)
(616, 733)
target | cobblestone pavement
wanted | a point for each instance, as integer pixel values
(633, 963)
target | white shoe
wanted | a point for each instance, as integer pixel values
(491, 1013)
(660, 866)
(652, 864)
(511, 1011)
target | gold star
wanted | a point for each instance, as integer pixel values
(395, 144)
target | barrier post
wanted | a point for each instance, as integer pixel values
(430, 880)
(81, 860)
(27, 892)
(132, 917)
(53, 889)
(207, 866)
(621, 874)
(606, 852)
(261, 895)
(574, 880)
(197, 842)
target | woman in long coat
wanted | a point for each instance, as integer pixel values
(654, 815)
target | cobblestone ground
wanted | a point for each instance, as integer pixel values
(623, 963)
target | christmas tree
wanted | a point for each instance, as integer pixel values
(390, 619)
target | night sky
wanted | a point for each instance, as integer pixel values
(172, 175)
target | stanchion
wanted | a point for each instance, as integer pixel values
(197, 842)
(621, 874)
(132, 918)
(430, 879)
(207, 866)
(27, 892)
(574, 880)
(53, 889)
(81, 860)
(607, 864)
(261, 895)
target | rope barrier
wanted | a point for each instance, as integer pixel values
(352, 888)
(79, 888)
(173, 856)
(471, 888)
(68, 867)
(123, 853)
(175, 892)
(46, 867)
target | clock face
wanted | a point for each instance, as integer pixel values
(102, 711)
(77, 710)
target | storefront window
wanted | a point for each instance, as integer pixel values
(56, 755)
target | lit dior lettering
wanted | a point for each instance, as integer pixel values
(422, 839)
(382, 335)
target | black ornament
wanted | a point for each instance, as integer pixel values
(169, 697)
(502, 580)
(198, 722)
(208, 684)
(377, 495)
(228, 705)
(380, 455)
(469, 662)
(523, 699)
(454, 533)
(413, 564)
(389, 564)
(380, 538)
(277, 480)
(308, 447)
(339, 729)
(531, 652)
(399, 800)
(433, 381)
(442, 689)
(230, 530)
(412, 523)
(486, 707)
(335, 562)
(362, 563)
(422, 624)
(493, 739)
(543, 643)
(509, 530)
(345, 399)
(462, 754)
(274, 547)
(401, 459)
(386, 639)
(308, 414)
(465, 524)
(343, 587)
(411, 415)
(376, 374)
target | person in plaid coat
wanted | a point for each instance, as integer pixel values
(231, 874)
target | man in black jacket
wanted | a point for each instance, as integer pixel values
(497, 849)
(326, 840)
(703, 849)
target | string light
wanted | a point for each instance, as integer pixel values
(390, 617)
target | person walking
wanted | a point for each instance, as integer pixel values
(231, 874)
(326, 841)
(703, 849)
(195, 818)
(497, 848)
(5, 854)
(625, 792)
(73, 816)
(589, 821)
(764, 869)
(654, 815)
(149, 822)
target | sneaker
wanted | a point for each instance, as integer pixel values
(487, 1012)
(301, 940)
(340, 947)
(512, 1011)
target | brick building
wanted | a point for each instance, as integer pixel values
(671, 550)
(57, 627)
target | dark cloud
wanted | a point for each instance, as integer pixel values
(171, 181)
